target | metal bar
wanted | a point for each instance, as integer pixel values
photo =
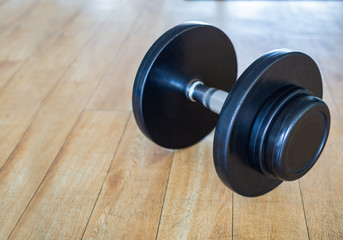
(210, 98)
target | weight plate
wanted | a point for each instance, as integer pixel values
(268, 74)
(186, 52)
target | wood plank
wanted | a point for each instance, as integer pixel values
(22, 96)
(12, 14)
(197, 204)
(275, 215)
(114, 92)
(63, 203)
(11, 10)
(130, 202)
(41, 28)
(27, 166)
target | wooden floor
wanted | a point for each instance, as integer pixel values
(73, 163)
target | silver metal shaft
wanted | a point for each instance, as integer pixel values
(211, 98)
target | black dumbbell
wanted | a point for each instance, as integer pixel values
(272, 123)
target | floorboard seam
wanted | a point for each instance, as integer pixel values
(232, 215)
(164, 197)
(302, 202)
(108, 170)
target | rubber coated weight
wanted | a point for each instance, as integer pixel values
(278, 94)
(188, 51)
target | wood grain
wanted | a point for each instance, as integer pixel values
(59, 112)
(20, 99)
(197, 204)
(114, 92)
(130, 202)
(74, 180)
(42, 25)
(13, 13)
(275, 215)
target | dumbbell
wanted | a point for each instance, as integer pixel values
(271, 124)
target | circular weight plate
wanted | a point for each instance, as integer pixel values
(266, 75)
(186, 52)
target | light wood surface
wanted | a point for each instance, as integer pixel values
(129, 206)
(73, 163)
(197, 205)
(74, 180)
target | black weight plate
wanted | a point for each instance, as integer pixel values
(265, 76)
(186, 52)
